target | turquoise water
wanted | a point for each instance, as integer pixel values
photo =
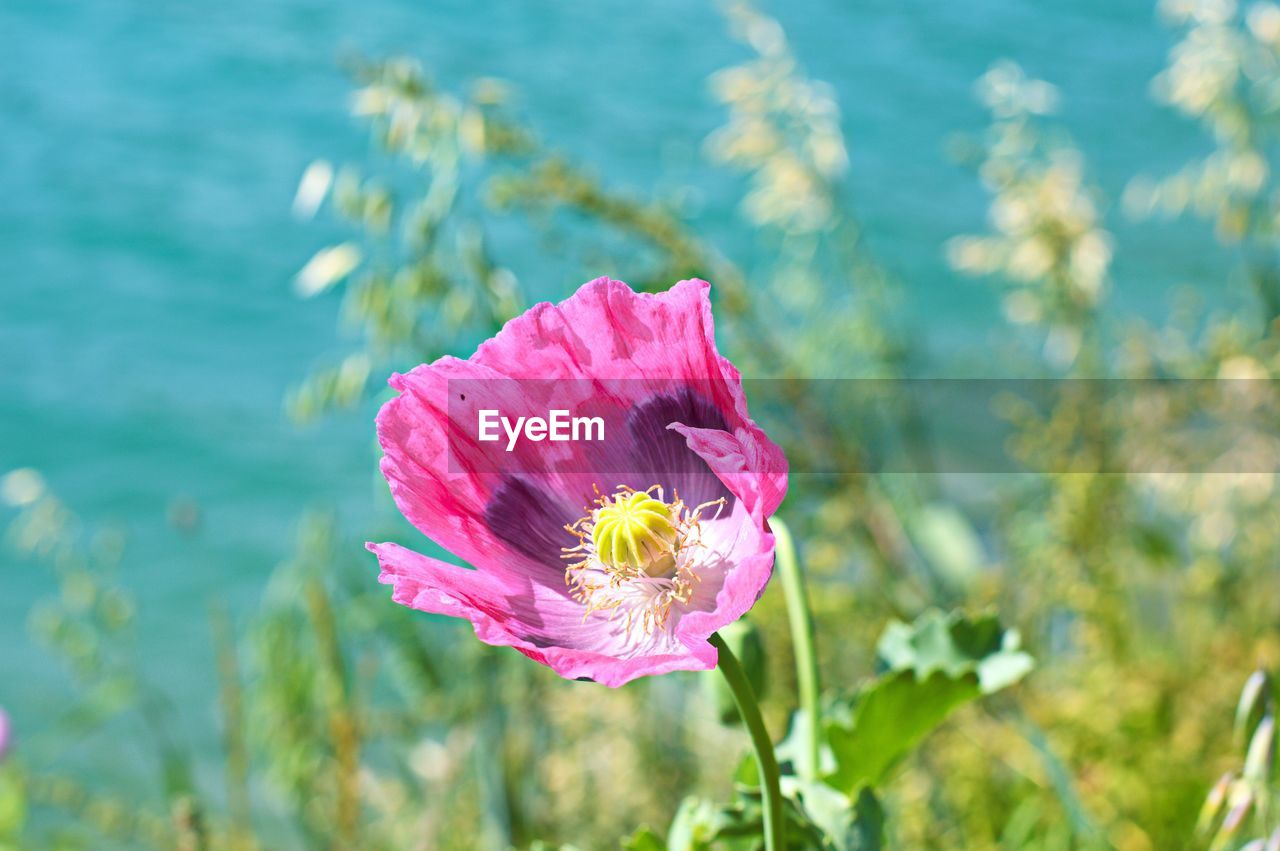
(150, 153)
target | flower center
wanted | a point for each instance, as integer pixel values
(636, 555)
(636, 530)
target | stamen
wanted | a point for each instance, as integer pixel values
(636, 555)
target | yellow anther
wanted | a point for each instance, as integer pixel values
(638, 531)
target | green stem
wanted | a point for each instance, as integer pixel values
(770, 776)
(801, 620)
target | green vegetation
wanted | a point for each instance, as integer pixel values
(1147, 599)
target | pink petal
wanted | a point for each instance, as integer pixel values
(623, 349)
(750, 465)
(534, 622)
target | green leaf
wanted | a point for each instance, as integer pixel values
(891, 716)
(956, 646)
(847, 823)
(644, 839)
(867, 830)
(701, 825)
(693, 826)
(933, 666)
(789, 750)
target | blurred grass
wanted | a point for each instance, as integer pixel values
(1148, 599)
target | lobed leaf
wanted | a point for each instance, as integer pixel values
(934, 666)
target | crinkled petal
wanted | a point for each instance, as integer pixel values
(652, 357)
(545, 628)
(425, 464)
(753, 469)
(734, 581)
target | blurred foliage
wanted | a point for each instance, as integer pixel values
(1225, 74)
(1146, 597)
(1244, 800)
(1047, 239)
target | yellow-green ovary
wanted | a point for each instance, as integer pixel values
(636, 530)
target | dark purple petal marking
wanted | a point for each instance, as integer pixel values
(664, 454)
(531, 520)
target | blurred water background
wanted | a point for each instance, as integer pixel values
(148, 329)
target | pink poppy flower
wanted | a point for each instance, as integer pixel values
(604, 559)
